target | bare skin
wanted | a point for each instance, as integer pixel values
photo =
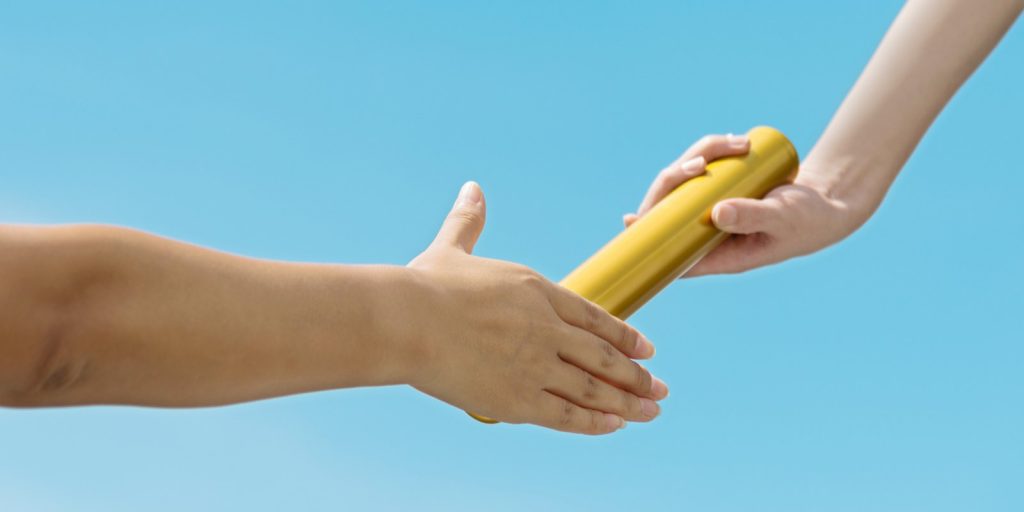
(930, 50)
(107, 315)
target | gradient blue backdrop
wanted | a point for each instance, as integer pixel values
(883, 374)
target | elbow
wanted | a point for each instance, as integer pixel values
(52, 365)
(43, 357)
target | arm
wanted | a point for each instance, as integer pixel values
(98, 314)
(92, 314)
(931, 48)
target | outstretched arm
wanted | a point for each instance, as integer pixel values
(94, 314)
(931, 48)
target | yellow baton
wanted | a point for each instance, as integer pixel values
(662, 245)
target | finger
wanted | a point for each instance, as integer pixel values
(745, 216)
(629, 218)
(579, 312)
(561, 414)
(738, 254)
(465, 221)
(713, 147)
(670, 178)
(709, 147)
(590, 392)
(597, 357)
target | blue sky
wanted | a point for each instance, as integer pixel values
(882, 374)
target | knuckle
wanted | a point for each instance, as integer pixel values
(529, 278)
(566, 414)
(630, 404)
(608, 356)
(466, 215)
(595, 423)
(707, 141)
(525, 270)
(641, 379)
(667, 179)
(627, 338)
(665, 175)
(589, 388)
(592, 316)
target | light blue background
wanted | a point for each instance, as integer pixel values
(883, 374)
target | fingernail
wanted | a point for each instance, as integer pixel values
(469, 194)
(644, 347)
(649, 408)
(737, 141)
(658, 388)
(693, 165)
(614, 422)
(724, 216)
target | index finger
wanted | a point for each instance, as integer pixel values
(691, 164)
(580, 312)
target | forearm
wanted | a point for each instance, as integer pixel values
(123, 317)
(931, 48)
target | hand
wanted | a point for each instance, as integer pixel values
(502, 341)
(792, 220)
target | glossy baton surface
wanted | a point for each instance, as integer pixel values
(662, 245)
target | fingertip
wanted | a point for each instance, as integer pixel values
(614, 422)
(694, 166)
(724, 215)
(649, 408)
(629, 218)
(659, 390)
(465, 222)
(644, 347)
(738, 142)
(470, 194)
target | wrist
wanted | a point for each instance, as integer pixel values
(855, 183)
(400, 315)
(356, 330)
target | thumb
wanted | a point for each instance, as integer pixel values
(462, 227)
(747, 216)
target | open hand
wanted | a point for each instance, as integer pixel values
(501, 341)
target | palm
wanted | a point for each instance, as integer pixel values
(794, 220)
